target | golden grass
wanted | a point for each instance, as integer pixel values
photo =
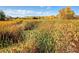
(61, 35)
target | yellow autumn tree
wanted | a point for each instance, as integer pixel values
(66, 13)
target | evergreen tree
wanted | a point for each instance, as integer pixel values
(2, 15)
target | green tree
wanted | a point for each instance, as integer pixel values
(2, 15)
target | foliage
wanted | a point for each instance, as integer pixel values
(31, 25)
(66, 13)
(2, 15)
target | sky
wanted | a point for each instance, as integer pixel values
(22, 11)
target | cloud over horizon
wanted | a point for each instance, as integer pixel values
(22, 13)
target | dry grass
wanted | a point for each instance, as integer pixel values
(42, 35)
(10, 32)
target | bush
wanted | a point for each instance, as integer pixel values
(31, 25)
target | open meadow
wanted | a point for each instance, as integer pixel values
(56, 35)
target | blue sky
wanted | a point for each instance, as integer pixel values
(22, 11)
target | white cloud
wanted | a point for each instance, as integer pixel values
(22, 13)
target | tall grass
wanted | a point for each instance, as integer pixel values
(10, 33)
(40, 36)
(39, 42)
(45, 42)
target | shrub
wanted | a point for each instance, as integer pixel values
(31, 25)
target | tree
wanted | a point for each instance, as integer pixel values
(69, 13)
(2, 15)
(66, 13)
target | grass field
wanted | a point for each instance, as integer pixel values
(43, 36)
